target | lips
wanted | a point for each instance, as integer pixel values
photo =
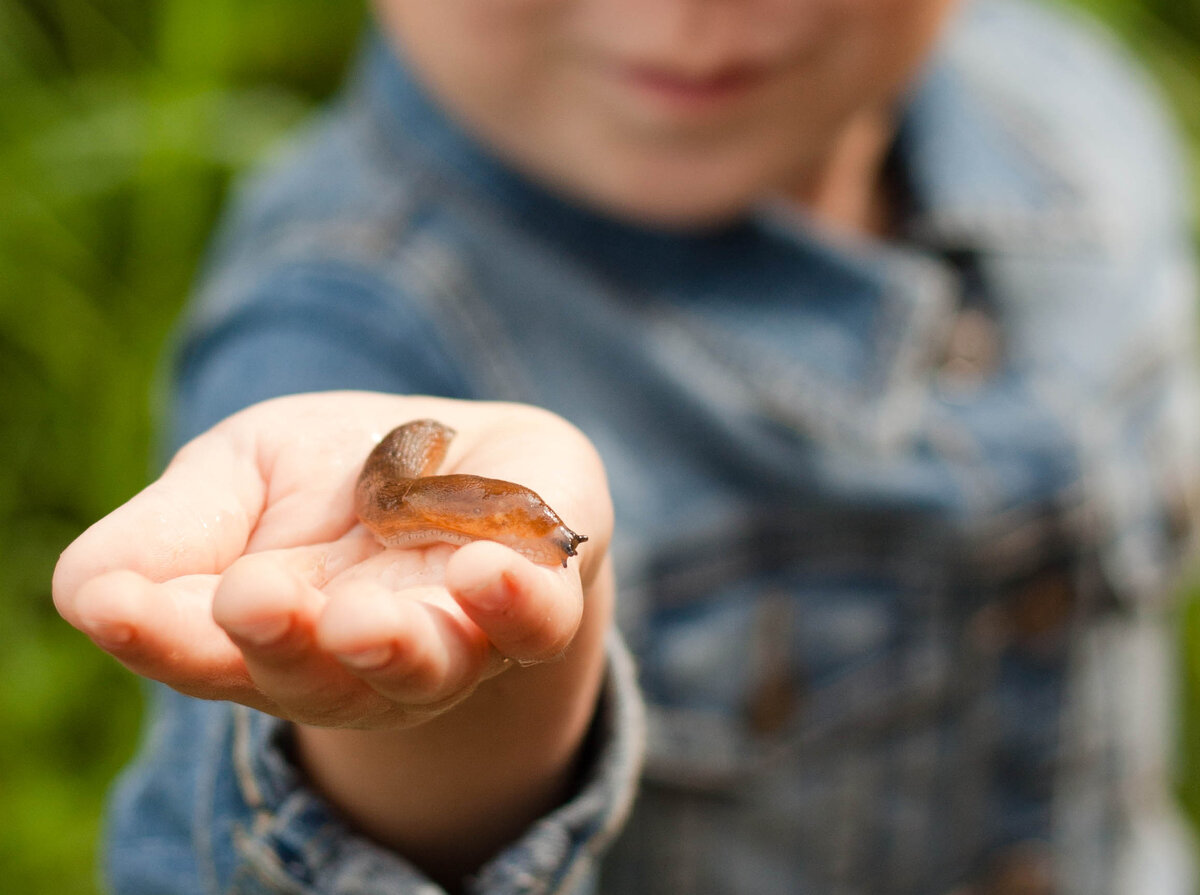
(682, 91)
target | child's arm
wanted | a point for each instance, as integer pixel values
(242, 575)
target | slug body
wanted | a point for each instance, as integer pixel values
(400, 500)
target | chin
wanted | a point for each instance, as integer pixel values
(683, 218)
(677, 187)
(674, 204)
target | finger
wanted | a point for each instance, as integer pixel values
(268, 604)
(195, 519)
(415, 647)
(548, 455)
(529, 612)
(164, 631)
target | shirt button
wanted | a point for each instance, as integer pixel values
(1042, 606)
(1022, 869)
(972, 351)
(777, 691)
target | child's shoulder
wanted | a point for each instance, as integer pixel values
(323, 183)
(1056, 59)
(320, 226)
(1073, 93)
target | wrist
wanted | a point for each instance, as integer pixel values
(451, 791)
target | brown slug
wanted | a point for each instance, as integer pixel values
(404, 505)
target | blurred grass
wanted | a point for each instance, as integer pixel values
(121, 122)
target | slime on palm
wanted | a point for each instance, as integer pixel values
(405, 505)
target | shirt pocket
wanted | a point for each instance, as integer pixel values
(875, 694)
(799, 630)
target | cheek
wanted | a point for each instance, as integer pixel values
(893, 38)
(909, 26)
(474, 42)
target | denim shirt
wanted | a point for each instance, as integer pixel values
(896, 521)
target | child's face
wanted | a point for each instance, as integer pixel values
(666, 111)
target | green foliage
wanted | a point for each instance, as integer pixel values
(121, 122)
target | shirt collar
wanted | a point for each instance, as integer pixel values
(879, 303)
(981, 165)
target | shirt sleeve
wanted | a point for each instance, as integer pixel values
(213, 802)
(305, 327)
(1141, 430)
(290, 840)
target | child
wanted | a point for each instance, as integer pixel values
(879, 314)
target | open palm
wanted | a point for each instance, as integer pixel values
(243, 574)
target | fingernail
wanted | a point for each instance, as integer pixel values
(262, 632)
(372, 657)
(109, 635)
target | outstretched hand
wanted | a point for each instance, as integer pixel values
(242, 573)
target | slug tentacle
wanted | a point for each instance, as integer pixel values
(399, 500)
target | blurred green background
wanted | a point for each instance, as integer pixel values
(121, 122)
